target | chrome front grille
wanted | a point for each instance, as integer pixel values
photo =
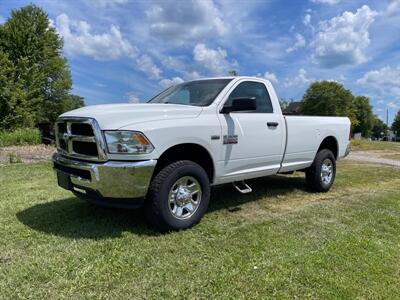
(80, 138)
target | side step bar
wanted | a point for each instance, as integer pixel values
(242, 187)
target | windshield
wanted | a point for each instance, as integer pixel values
(197, 93)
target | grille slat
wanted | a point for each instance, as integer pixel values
(85, 148)
(62, 128)
(82, 129)
(77, 138)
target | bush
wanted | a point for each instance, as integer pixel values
(14, 158)
(28, 136)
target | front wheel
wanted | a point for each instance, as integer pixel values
(178, 196)
(321, 174)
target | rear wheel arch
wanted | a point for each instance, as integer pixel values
(330, 143)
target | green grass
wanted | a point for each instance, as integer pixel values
(18, 137)
(365, 145)
(14, 158)
(278, 242)
(392, 156)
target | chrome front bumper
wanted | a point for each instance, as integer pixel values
(111, 179)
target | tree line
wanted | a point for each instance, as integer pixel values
(35, 80)
(330, 98)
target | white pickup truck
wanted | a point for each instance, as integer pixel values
(167, 153)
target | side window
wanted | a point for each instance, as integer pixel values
(251, 89)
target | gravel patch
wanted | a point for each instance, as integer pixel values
(26, 154)
(375, 157)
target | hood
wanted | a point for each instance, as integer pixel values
(115, 116)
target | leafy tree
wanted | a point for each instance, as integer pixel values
(378, 128)
(396, 124)
(233, 73)
(73, 102)
(14, 107)
(38, 80)
(328, 98)
(364, 115)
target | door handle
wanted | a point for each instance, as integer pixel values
(272, 124)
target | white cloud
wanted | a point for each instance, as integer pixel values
(173, 63)
(107, 3)
(385, 81)
(343, 39)
(146, 64)
(300, 43)
(186, 20)
(213, 60)
(166, 83)
(381, 101)
(192, 75)
(393, 7)
(79, 40)
(300, 79)
(330, 2)
(307, 20)
(132, 98)
(271, 77)
(393, 104)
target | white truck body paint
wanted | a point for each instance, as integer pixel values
(260, 150)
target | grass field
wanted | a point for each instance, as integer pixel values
(280, 241)
(392, 156)
(365, 145)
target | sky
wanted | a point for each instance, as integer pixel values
(128, 51)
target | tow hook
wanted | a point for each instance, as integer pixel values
(242, 187)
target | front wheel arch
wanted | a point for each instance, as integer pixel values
(187, 151)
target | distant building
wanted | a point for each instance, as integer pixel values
(292, 109)
(391, 136)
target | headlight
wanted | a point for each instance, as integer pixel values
(127, 142)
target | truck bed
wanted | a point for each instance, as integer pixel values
(304, 135)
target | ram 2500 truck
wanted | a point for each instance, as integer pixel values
(167, 153)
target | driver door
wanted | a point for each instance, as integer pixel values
(252, 140)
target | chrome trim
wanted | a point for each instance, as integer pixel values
(68, 137)
(112, 179)
(184, 197)
(327, 170)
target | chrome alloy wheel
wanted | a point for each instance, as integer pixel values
(184, 197)
(326, 171)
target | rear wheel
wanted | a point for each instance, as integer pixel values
(321, 174)
(178, 196)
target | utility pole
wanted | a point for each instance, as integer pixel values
(387, 124)
(387, 116)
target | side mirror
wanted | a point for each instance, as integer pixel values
(241, 104)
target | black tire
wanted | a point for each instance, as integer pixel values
(313, 173)
(157, 204)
